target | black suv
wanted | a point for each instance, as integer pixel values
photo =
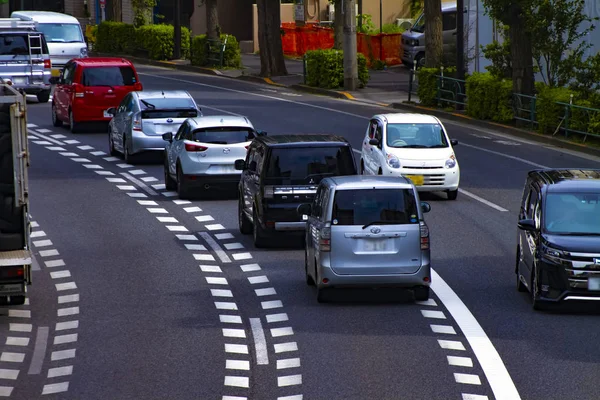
(558, 250)
(282, 172)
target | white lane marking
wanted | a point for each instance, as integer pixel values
(221, 293)
(177, 228)
(250, 267)
(507, 142)
(19, 313)
(204, 218)
(180, 202)
(157, 210)
(473, 397)
(17, 341)
(55, 388)
(216, 281)
(62, 339)
(236, 348)
(42, 243)
(224, 236)
(93, 166)
(34, 224)
(63, 326)
(62, 354)
(97, 153)
(169, 194)
(192, 209)
(20, 327)
(233, 398)
(65, 286)
(215, 247)
(260, 342)
(37, 234)
(430, 302)
(468, 379)
(294, 397)
(60, 371)
(451, 345)
(31, 125)
(116, 180)
(159, 186)
(57, 148)
(126, 187)
(168, 219)
(41, 142)
(233, 246)
(111, 159)
(482, 200)
(272, 318)
(524, 161)
(495, 371)
(278, 332)
(147, 202)
(241, 365)
(210, 268)
(195, 247)
(460, 361)
(104, 173)
(48, 138)
(12, 357)
(69, 298)
(285, 347)
(265, 292)
(44, 130)
(235, 333)
(148, 179)
(288, 363)
(258, 279)
(214, 227)
(85, 147)
(289, 380)
(69, 154)
(124, 166)
(242, 256)
(269, 305)
(57, 136)
(72, 141)
(204, 257)
(137, 172)
(223, 305)
(230, 319)
(60, 274)
(187, 237)
(54, 263)
(433, 314)
(81, 160)
(9, 373)
(63, 312)
(237, 381)
(446, 329)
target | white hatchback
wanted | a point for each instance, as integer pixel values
(415, 146)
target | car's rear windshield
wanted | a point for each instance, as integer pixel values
(108, 76)
(168, 108)
(18, 45)
(61, 33)
(572, 214)
(224, 135)
(308, 165)
(381, 206)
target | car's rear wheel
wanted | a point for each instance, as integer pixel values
(55, 121)
(362, 167)
(43, 97)
(536, 303)
(111, 143)
(243, 222)
(182, 185)
(170, 183)
(421, 293)
(127, 156)
(520, 286)
(74, 126)
(309, 279)
(452, 194)
(260, 237)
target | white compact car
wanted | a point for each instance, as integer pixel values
(415, 146)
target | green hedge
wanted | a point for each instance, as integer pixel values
(427, 89)
(157, 40)
(548, 112)
(489, 97)
(325, 69)
(231, 57)
(115, 38)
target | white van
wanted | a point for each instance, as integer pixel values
(63, 34)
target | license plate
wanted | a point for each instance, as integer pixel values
(594, 284)
(418, 180)
(375, 245)
(14, 288)
(106, 114)
(55, 72)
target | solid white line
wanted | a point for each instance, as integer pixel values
(482, 200)
(230, 319)
(215, 247)
(250, 267)
(177, 228)
(288, 363)
(290, 380)
(210, 268)
(285, 347)
(265, 292)
(433, 314)
(141, 184)
(268, 305)
(468, 379)
(495, 371)
(55, 388)
(278, 332)
(17, 341)
(260, 342)
(447, 329)
(272, 318)
(236, 348)
(60, 371)
(451, 345)
(505, 155)
(460, 361)
(237, 381)
(241, 365)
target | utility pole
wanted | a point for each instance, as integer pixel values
(460, 39)
(350, 62)
(177, 29)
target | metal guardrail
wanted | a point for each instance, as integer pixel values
(451, 90)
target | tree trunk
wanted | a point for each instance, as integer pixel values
(272, 62)
(434, 50)
(521, 53)
(213, 31)
(117, 10)
(338, 25)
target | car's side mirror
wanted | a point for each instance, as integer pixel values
(240, 165)
(374, 142)
(454, 142)
(304, 209)
(168, 136)
(425, 207)
(54, 80)
(261, 133)
(112, 111)
(526, 225)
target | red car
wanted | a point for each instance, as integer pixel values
(88, 87)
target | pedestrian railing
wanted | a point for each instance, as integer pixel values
(451, 91)
(578, 119)
(524, 109)
(215, 50)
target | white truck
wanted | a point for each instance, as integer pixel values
(15, 227)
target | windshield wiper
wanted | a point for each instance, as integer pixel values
(380, 223)
(149, 105)
(412, 146)
(579, 234)
(438, 146)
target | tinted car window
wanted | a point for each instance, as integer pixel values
(384, 206)
(303, 165)
(448, 21)
(17, 44)
(223, 135)
(416, 136)
(108, 76)
(168, 108)
(61, 33)
(572, 213)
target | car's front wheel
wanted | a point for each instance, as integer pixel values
(43, 97)
(243, 222)
(170, 183)
(452, 194)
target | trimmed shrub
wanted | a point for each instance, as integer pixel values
(325, 69)
(232, 57)
(427, 89)
(548, 113)
(115, 38)
(157, 40)
(489, 97)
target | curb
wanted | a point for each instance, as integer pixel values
(323, 92)
(511, 130)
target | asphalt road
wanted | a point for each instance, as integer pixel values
(163, 298)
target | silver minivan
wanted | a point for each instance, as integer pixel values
(63, 33)
(367, 231)
(413, 40)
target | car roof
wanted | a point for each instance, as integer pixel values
(351, 182)
(44, 16)
(568, 180)
(171, 94)
(209, 121)
(303, 140)
(103, 61)
(407, 118)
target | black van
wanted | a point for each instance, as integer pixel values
(282, 172)
(558, 249)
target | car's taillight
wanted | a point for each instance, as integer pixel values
(246, 147)
(269, 192)
(325, 240)
(424, 236)
(137, 123)
(194, 147)
(79, 90)
(138, 87)
(47, 64)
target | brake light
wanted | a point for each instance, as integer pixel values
(137, 87)
(325, 240)
(79, 90)
(47, 64)
(137, 123)
(269, 192)
(424, 236)
(246, 147)
(194, 147)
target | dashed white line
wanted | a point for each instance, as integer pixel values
(146, 202)
(272, 318)
(157, 210)
(19, 313)
(20, 327)
(85, 147)
(60, 274)
(210, 268)
(159, 186)
(230, 319)
(242, 256)
(177, 228)
(137, 172)
(37, 234)
(11, 374)
(181, 202)
(17, 341)
(285, 347)
(69, 298)
(214, 227)
(65, 286)
(192, 209)
(93, 166)
(289, 380)
(233, 246)
(55, 388)
(195, 247)
(288, 363)
(482, 200)
(278, 332)
(451, 345)
(60, 371)
(430, 302)
(236, 348)
(237, 381)
(236, 333)
(216, 281)
(250, 267)
(12, 357)
(268, 305)
(468, 379)
(63, 326)
(81, 160)
(241, 365)
(97, 153)
(224, 236)
(265, 292)
(63, 312)
(104, 173)
(169, 194)
(148, 179)
(187, 237)
(204, 257)
(460, 361)
(473, 397)
(62, 354)
(62, 339)
(126, 187)
(116, 180)
(204, 218)
(42, 243)
(54, 263)
(111, 159)
(446, 329)
(225, 305)
(258, 279)
(69, 154)
(294, 397)
(221, 293)
(124, 166)
(433, 314)
(168, 219)
(6, 391)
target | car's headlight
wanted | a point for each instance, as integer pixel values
(83, 52)
(549, 251)
(414, 42)
(451, 162)
(393, 161)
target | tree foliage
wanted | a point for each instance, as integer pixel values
(499, 55)
(142, 11)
